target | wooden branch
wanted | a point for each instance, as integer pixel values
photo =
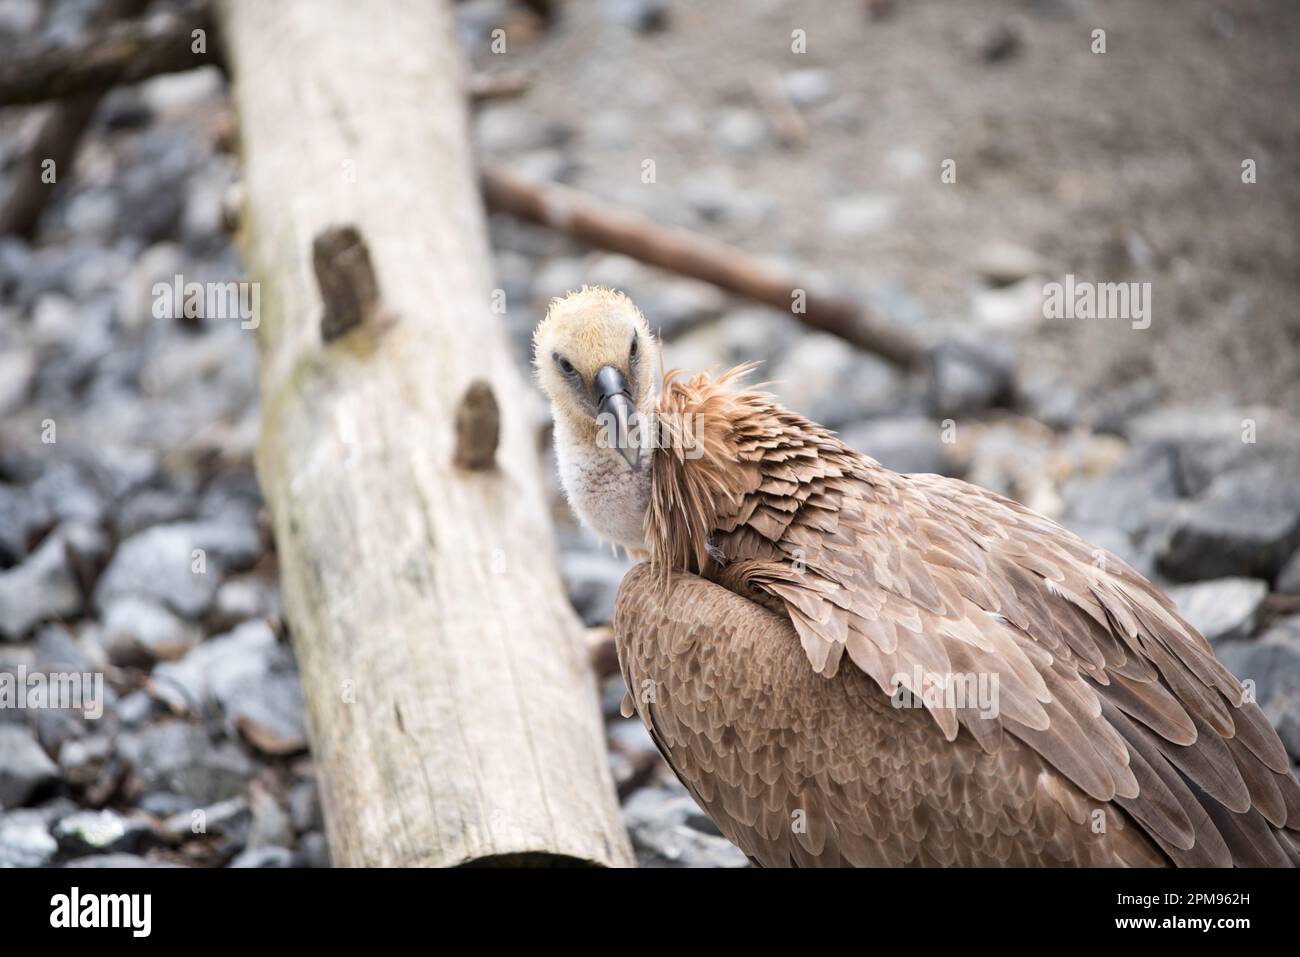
(690, 254)
(136, 50)
(57, 135)
(124, 52)
(452, 709)
(481, 87)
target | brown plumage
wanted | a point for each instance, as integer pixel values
(794, 585)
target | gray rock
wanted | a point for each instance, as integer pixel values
(314, 850)
(632, 754)
(17, 370)
(1138, 496)
(1016, 308)
(1224, 609)
(202, 219)
(250, 678)
(25, 839)
(72, 492)
(100, 832)
(82, 760)
(668, 830)
(88, 550)
(1002, 263)
(672, 306)
(1288, 579)
(1207, 441)
(543, 166)
(833, 384)
(504, 128)
(744, 335)
(243, 598)
(1271, 667)
(644, 16)
(1246, 523)
(19, 18)
(969, 374)
(715, 197)
(230, 820)
(268, 856)
(304, 807)
(139, 630)
(55, 649)
(136, 708)
(612, 690)
(234, 499)
(165, 804)
(180, 758)
(1050, 401)
(852, 217)
(271, 826)
(24, 765)
(1114, 410)
(20, 520)
(808, 87)
(43, 587)
(92, 213)
(741, 130)
(162, 262)
(179, 564)
(911, 444)
(592, 580)
(146, 507)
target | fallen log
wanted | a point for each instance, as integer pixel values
(452, 709)
(678, 250)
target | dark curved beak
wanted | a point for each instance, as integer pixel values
(615, 412)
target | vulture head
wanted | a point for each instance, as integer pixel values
(595, 360)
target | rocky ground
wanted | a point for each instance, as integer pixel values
(133, 539)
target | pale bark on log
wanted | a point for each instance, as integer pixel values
(452, 709)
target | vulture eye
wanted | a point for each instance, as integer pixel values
(632, 354)
(565, 365)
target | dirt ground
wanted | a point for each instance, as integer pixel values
(1119, 166)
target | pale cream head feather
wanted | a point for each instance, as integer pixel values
(586, 331)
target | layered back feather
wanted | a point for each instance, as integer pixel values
(923, 575)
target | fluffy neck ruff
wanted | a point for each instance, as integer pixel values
(696, 469)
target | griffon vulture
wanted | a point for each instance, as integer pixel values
(808, 635)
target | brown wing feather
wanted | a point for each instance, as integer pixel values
(908, 575)
(802, 770)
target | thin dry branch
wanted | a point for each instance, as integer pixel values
(124, 52)
(57, 134)
(678, 250)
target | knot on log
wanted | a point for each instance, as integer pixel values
(346, 278)
(478, 427)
